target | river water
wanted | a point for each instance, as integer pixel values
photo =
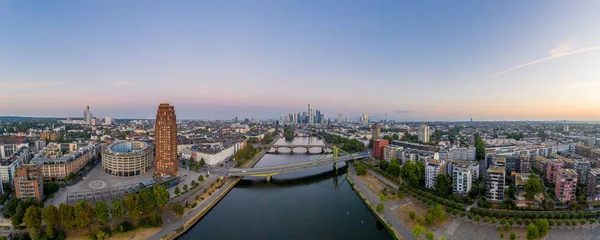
(313, 203)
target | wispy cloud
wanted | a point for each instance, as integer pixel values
(29, 85)
(562, 50)
(582, 85)
(125, 83)
(402, 111)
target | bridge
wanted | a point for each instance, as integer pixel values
(274, 170)
(307, 147)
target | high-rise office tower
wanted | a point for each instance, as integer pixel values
(165, 129)
(86, 114)
(365, 118)
(424, 133)
(339, 120)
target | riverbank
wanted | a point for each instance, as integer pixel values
(395, 228)
(181, 225)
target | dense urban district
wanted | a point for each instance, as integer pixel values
(155, 178)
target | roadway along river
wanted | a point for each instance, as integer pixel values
(304, 204)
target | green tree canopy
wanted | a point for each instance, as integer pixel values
(533, 187)
(132, 205)
(51, 218)
(117, 208)
(146, 200)
(33, 217)
(543, 227)
(101, 212)
(418, 230)
(393, 168)
(532, 231)
(84, 213)
(66, 215)
(443, 184)
(178, 209)
(161, 195)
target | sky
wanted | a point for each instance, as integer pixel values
(417, 60)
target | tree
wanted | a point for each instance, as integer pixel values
(51, 218)
(543, 226)
(380, 208)
(202, 163)
(146, 199)
(132, 205)
(178, 209)
(17, 218)
(66, 215)
(10, 207)
(513, 236)
(412, 214)
(161, 195)
(33, 217)
(532, 231)
(101, 212)
(117, 208)
(413, 173)
(177, 191)
(84, 213)
(443, 184)
(418, 230)
(185, 187)
(438, 213)
(429, 235)
(533, 187)
(479, 148)
(200, 178)
(393, 168)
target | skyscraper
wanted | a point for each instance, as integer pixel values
(166, 140)
(365, 118)
(339, 120)
(86, 114)
(424, 133)
(375, 131)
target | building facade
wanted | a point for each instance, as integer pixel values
(462, 179)
(553, 166)
(127, 158)
(29, 182)
(565, 185)
(432, 170)
(525, 164)
(9, 166)
(379, 147)
(56, 166)
(593, 185)
(375, 131)
(390, 152)
(424, 133)
(465, 154)
(165, 129)
(495, 183)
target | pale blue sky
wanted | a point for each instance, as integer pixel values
(431, 60)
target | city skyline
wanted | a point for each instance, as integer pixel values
(480, 60)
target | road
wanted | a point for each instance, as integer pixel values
(389, 212)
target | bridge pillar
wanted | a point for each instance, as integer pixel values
(322, 150)
(308, 150)
(269, 178)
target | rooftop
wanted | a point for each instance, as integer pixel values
(496, 169)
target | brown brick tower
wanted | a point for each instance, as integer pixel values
(165, 129)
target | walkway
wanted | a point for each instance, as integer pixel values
(389, 213)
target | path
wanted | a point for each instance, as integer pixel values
(389, 213)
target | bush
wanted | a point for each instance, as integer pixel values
(477, 218)
(380, 208)
(486, 219)
(152, 220)
(124, 227)
(412, 214)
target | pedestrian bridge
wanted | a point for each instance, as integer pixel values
(274, 170)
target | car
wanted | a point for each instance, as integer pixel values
(244, 171)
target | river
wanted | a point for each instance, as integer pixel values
(308, 204)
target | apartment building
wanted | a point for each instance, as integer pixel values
(9, 166)
(495, 183)
(552, 167)
(593, 185)
(57, 166)
(565, 185)
(29, 182)
(462, 179)
(432, 169)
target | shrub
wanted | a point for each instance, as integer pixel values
(486, 219)
(380, 208)
(477, 218)
(152, 220)
(124, 227)
(412, 214)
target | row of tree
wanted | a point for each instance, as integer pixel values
(347, 145)
(245, 154)
(82, 214)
